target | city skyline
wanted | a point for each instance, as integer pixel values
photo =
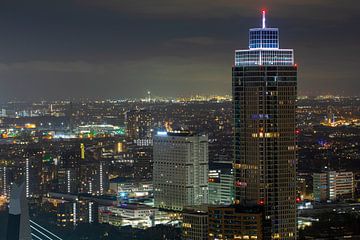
(185, 120)
(92, 49)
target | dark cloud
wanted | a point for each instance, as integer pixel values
(122, 48)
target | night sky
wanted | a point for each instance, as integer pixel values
(56, 49)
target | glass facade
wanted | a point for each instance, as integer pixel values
(264, 49)
(263, 38)
(264, 84)
(279, 57)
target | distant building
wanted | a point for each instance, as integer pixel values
(67, 180)
(71, 209)
(221, 184)
(131, 190)
(7, 176)
(195, 223)
(143, 161)
(236, 222)
(180, 172)
(139, 126)
(94, 178)
(134, 215)
(32, 169)
(332, 186)
(82, 151)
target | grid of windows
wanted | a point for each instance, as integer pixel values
(279, 57)
(264, 95)
(264, 38)
(180, 171)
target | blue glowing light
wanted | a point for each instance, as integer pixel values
(162, 133)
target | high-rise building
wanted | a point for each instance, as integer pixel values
(67, 180)
(5, 180)
(264, 85)
(72, 209)
(94, 178)
(332, 185)
(139, 126)
(180, 172)
(32, 168)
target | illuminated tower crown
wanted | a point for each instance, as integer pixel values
(264, 48)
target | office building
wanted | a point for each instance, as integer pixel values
(134, 215)
(67, 180)
(221, 185)
(129, 190)
(195, 223)
(94, 178)
(5, 180)
(32, 168)
(332, 186)
(264, 85)
(236, 222)
(180, 169)
(71, 209)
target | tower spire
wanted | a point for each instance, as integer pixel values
(263, 19)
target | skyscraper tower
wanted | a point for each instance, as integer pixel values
(264, 85)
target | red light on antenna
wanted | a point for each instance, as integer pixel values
(263, 11)
(261, 202)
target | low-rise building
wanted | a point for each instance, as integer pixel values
(195, 223)
(236, 222)
(332, 186)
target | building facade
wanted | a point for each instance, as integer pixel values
(264, 84)
(139, 126)
(180, 172)
(332, 186)
(195, 223)
(235, 222)
(221, 186)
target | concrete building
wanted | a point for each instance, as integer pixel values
(236, 222)
(195, 223)
(71, 209)
(129, 190)
(332, 186)
(67, 180)
(180, 172)
(134, 215)
(221, 186)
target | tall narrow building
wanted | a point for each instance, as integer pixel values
(264, 85)
(18, 221)
(180, 172)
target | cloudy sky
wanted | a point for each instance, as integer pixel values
(122, 48)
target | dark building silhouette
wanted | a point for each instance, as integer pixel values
(18, 222)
